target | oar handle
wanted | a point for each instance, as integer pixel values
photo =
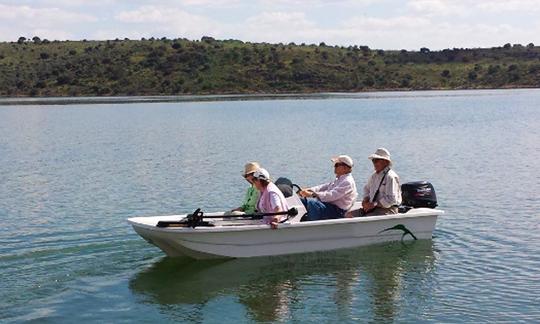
(291, 212)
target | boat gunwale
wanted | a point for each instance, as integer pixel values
(418, 212)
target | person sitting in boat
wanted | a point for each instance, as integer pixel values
(382, 193)
(271, 199)
(333, 199)
(252, 194)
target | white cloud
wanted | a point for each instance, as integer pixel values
(471, 7)
(290, 20)
(509, 5)
(109, 34)
(164, 21)
(316, 3)
(386, 24)
(39, 16)
(213, 3)
(51, 23)
(277, 27)
(439, 7)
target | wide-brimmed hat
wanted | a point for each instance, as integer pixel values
(261, 174)
(343, 159)
(381, 153)
(250, 167)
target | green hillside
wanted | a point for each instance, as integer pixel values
(180, 66)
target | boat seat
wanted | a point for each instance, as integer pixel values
(294, 201)
(357, 205)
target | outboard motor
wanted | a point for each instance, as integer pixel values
(418, 194)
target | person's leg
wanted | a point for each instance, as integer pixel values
(378, 211)
(332, 212)
(315, 208)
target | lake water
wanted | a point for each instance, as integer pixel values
(71, 174)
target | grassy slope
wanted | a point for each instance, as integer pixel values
(169, 67)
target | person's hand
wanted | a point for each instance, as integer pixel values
(305, 193)
(368, 206)
(364, 204)
(274, 223)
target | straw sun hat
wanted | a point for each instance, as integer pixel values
(250, 167)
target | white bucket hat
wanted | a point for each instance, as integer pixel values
(261, 174)
(343, 159)
(381, 153)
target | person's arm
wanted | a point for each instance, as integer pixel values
(366, 204)
(332, 194)
(322, 187)
(275, 204)
(250, 201)
(389, 195)
(312, 191)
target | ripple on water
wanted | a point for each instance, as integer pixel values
(70, 176)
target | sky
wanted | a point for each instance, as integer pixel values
(379, 24)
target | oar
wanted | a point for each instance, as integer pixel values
(196, 219)
(291, 212)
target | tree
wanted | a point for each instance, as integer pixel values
(424, 50)
(21, 40)
(324, 55)
(369, 82)
(207, 39)
(36, 40)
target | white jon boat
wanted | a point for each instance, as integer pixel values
(219, 236)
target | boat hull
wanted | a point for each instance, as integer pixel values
(290, 238)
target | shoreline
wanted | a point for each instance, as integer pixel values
(383, 93)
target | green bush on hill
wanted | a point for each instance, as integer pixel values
(38, 67)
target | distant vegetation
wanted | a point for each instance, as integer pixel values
(35, 67)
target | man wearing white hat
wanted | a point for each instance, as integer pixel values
(333, 199)
(382, 193)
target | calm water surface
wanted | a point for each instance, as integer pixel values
(71, 174)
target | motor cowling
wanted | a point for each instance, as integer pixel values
(285, 185)
(418, 194)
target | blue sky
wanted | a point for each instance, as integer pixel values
(380, 24)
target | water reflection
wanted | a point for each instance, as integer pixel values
(365, 283)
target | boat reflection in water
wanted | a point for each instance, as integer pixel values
(369, 283)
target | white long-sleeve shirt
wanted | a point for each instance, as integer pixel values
(390, 191)
(340, 192)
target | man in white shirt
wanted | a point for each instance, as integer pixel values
(333, 199)
(382, 193)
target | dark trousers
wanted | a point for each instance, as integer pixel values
(317, 210)
(378, 211)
